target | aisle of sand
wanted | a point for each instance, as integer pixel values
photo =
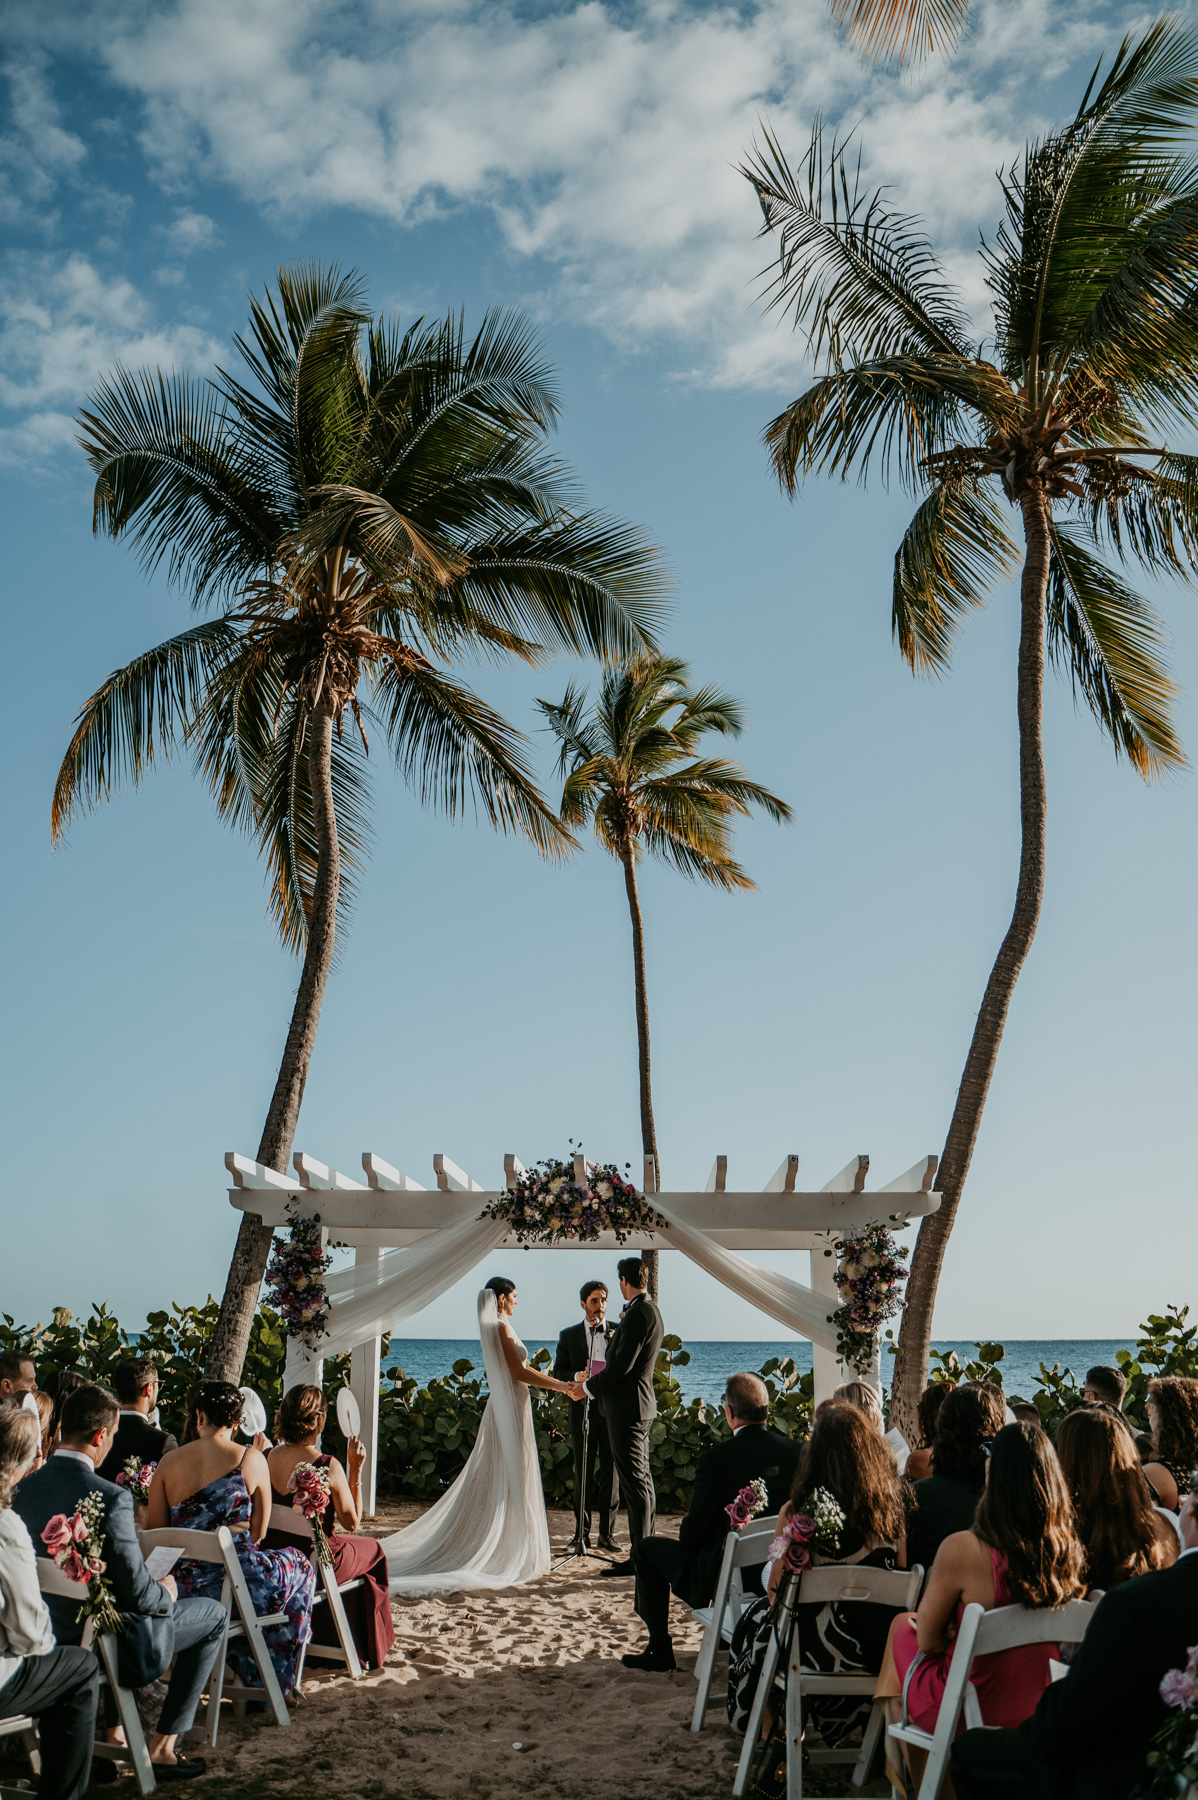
(472, 1675)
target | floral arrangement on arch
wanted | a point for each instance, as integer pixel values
(802, 1533)
(870, 1269)
(548, 1206)
(295, 1280)
(1172, 1763)
(74, 1542)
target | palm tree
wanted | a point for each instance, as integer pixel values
(627, 773)
(901, 31)
(1092, 362)
(359, 505)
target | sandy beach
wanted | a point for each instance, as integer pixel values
(470, 1676)
(473, 1675)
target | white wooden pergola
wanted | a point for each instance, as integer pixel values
(389, 1210)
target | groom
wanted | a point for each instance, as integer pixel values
(623, 1392)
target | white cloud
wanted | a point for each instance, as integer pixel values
(35, 151)
(62, 324)
(190, 232)
(603, 139)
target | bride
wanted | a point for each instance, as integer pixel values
(489, 1529)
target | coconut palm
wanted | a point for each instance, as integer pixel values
(358, 506)
(629, 774)
(1061, 420)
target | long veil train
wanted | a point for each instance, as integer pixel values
(489, 1529)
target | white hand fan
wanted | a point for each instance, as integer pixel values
(253, 1413)
(349, 1414)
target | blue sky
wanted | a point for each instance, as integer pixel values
(578, 161)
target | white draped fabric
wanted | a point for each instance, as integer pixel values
(488, 1530)
(788, 1301)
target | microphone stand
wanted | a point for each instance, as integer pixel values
(578, 1550)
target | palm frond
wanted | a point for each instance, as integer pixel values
(140, 714)
(1149, 513)
(901, 31)
(859, 278)
(1110, 642)
(953, 550)
(453, 749)
(714, 788)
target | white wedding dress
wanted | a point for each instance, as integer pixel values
(488, 1530)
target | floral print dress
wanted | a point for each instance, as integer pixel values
(279, 1581)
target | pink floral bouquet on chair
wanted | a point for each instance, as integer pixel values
(748, 1503)
(310, 1493)
(802, 1533)
(74, 1542)
(137, 1476)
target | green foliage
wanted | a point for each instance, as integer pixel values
(1166, 1346)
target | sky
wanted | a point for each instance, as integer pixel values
(578, 161)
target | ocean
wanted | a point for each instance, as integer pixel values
(711, 1362)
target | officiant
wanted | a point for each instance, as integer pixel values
(582, 1351)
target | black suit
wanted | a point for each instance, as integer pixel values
(691, 1564)
(135, 1436)
(573, 1354)
(623, 1392)
(1091, 1731)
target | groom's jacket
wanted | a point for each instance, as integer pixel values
(573, 1350)
(623, 1391)
(147, 1644)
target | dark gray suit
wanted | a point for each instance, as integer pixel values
(157, 1628)
(623, 1392)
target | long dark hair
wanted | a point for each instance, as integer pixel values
(500, 1286)
(970, 1417)
(848, 1457)
(1026, 1514)
(1116, 1520)
(1176, 1436)
(930, 1402)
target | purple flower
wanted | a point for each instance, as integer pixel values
(1179, 1689)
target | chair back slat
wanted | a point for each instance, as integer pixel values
(752, 1544)
(836, 1582)
(1009, 1627)
(51, 1580)
(197, 1546)
(285, 1518)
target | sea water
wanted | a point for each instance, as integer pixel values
(712, 1362)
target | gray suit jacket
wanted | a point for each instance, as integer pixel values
(147, 1644)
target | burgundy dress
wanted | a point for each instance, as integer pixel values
(367, 1608)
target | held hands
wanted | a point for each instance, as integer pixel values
(576, 1391)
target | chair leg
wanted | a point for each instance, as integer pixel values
(705, 1670)
(337, 1608)
(753, 1728)
(794, 1721)
(869, 1744)
(127, 1713)
(32, 1750)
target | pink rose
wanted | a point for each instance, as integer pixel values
(56, 1534)
(79, 1529)
(801, 1528)
(1179, 1689)
(74, 1567)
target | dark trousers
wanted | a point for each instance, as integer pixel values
(998, 1765)
(601, 1492)
(61, 1690)
(199, 1627)
(630, 1453)
(661, 1564)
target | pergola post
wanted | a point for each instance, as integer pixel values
(825, 1363)
(365, 1373)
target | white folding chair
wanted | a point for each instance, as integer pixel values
(742, 1549)
(134, 1750)
(218, 1547)
(981, 1633)
(286, 1519)
(26, 1730)
(833, 1583)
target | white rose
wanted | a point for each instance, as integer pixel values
(851, 1269)
(555, 1186)
(870, 1259)
(604, 1190)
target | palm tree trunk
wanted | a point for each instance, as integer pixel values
(648, 1129)
(230, 1340)
(915, 1335)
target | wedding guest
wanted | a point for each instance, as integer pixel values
(582, 1351)
(689, 1565)
(863, 1397)
(1091, 1731)
(919, 1463)
(58, 1384)
(1143, 1442)
(45, 1412)
(210, 1481)
(298, 1425)
(135, 1383)
(159, 1625)
(945, 1501)
(58, 1685)
(848, 1459)
(1104, 1386)
(17, 1374)
(1173, 1422)
(1025, 1413)
(1021, 1550)
(1122, 1533)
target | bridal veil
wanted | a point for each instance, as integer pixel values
(488, 1530)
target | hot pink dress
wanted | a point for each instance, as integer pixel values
(1008, 1682)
